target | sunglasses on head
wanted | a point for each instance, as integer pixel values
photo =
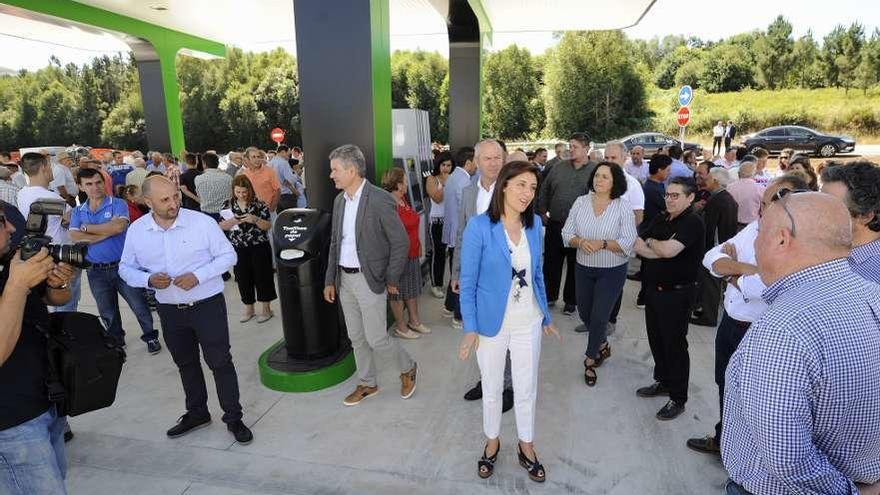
(780, 195)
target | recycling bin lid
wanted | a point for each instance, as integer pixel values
(305, 230)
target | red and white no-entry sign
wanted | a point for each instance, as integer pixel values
(277, 135)
(684, 116)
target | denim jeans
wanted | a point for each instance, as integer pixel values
(73, 304)
(32, 458)
(597, 290)
(107, 286)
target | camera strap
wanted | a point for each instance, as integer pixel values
(54, 386)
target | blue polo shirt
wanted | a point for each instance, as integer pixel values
(110, 249)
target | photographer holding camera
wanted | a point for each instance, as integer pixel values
(31, 433)
(39, 171)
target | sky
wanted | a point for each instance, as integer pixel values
(685, 17)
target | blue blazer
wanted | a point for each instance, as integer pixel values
(486, 274)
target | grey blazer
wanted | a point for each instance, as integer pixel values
(382, 243)
(467, 210)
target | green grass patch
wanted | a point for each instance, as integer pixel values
(830, 110)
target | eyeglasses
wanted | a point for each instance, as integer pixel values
(2, 220)
(672, 196)
(780, 195)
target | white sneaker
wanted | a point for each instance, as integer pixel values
(457, 324)
(446, 313)
(408, 334)
(438, 292)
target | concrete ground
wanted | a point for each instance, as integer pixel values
(603, 440)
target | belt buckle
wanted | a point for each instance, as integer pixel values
(185, 305)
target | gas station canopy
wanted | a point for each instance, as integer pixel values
(266, 24)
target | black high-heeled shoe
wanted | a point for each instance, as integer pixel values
(486, 464)
(534, 468)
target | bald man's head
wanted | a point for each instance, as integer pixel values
(517, 156)
(801, 230)
(162, 196)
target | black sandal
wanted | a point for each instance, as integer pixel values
(534, 468)
(605, 352)
(590, 379)
(486, 465)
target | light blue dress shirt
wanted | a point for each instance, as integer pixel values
(284, 173)
(194, 243)
(458, 180)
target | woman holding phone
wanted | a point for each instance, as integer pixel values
(504, 307)
(247, 230)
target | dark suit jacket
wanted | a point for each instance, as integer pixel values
(382, 243)
(719, 215)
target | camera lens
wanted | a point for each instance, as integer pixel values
(72, 254)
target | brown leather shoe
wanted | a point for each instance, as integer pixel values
(408, 382)
(359, 394)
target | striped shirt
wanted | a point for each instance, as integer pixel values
(616, 223)
(802, 394)
(9, 192)
(213, 188)
(865, 260)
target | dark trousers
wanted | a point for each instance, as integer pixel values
(555, 254)
(253, 272)
(285, 201)
(438, 253)
(666, 320)
(730, 334)
(596, 291)
(204, 325)
(451, 303)
(716, 145)
(107, 286)
(726, 143)
(709, 295)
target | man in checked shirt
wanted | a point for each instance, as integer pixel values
(802, 396)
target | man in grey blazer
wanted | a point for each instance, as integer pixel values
(475, 200)
(368, 249)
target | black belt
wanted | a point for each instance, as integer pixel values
(105, 265)
(348, 270)
(671, 287)
(193, 304)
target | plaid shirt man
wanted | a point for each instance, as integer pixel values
(865, 260)
(213, 188)
(802, 404)
(8, 192)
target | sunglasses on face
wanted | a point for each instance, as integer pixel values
(672, 196)
(779, 197)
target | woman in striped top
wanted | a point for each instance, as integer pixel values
(601, 225)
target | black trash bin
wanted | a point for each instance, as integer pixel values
(314, 330)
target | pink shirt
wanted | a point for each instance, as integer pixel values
(747, 194)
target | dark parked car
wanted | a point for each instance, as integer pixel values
(653, 141)
(801, 139)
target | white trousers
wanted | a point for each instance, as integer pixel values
(523, 339)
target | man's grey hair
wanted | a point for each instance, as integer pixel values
(350, 156)
(482, 144)
(137, 154)
(252, 149)
(140, 163)
(746, 170)
(617, 144)
(721, 175)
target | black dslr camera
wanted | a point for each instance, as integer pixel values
(35, 237)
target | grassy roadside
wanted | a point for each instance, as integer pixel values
(828, 109)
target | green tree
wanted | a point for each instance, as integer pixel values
(124, 126)
(806, 66)
(773, 53)
(417, 82)
(512, 107)
(242, 117)
(591, 86)
(667, 67)
(56, 110)
(868, 71)
(727, 68)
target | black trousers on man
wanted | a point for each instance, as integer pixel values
(716, 144)
(667, 311)
(730, 334)
(555, 254)
(451, 303)
(185, 329)
(709, 296)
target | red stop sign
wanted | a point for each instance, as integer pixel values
(277, 135)
(684, 116)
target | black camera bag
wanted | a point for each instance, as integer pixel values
(84, 363)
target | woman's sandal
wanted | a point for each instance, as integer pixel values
(486, 464)
(605, 352)
(534, 468)
(590, 375)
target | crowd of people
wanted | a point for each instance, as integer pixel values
(784, 263)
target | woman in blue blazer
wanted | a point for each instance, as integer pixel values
(504, 307)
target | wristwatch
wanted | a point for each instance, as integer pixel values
(82, 228)
(604, 244)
